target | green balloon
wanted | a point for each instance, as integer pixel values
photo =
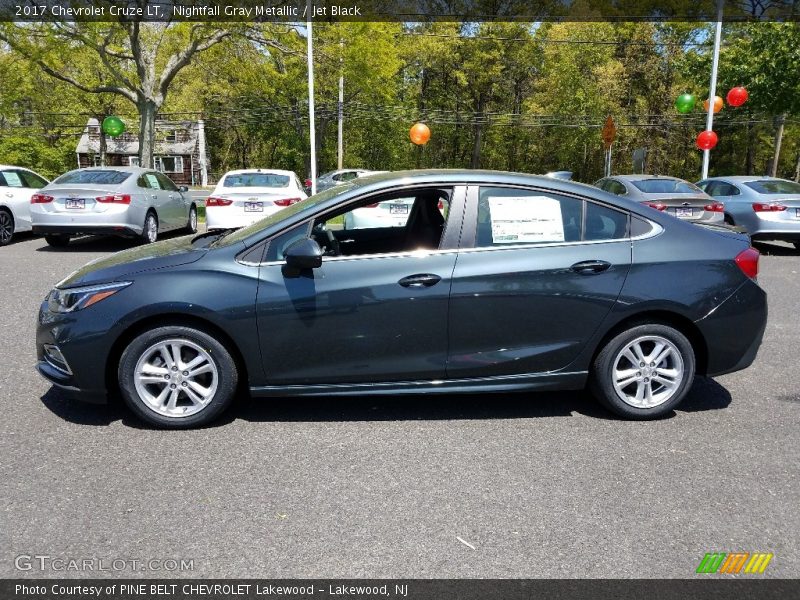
(113, 126)
(685, 103)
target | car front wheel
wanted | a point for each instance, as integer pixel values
(6, 227)
(177, 377)
(644, 372)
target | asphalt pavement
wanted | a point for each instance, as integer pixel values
(532, 485)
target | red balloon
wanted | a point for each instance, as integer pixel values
(706, 140)
(737, 96)
(420, 134)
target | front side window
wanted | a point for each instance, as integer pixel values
(509, 217)
(166, 183)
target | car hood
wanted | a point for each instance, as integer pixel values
(168, 253)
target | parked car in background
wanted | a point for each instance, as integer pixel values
(671, 195)
(528, 283)
(767, 207)
(338, 177)
(247, 195)
(17, 185)
(124, 201)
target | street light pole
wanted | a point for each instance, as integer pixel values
(712, 93)
(312, 134)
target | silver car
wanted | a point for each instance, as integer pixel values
(334, 178)
(124, 201)
(674, 196)
(767, 207)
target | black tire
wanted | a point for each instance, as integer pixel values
(142, 347)
(57, 240)
(601, 380)
(6, 226)
(796, 245)
(191, 225)
(150, 228)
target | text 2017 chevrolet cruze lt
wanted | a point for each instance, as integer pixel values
(516, 283)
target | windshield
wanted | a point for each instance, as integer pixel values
(666, 186)
(774, 186)
(289, 211)
(101, 177)
(270, 180)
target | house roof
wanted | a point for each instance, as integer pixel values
(127, 146)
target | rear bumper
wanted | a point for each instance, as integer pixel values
(734, 330)
(125, 230)
(217, 219)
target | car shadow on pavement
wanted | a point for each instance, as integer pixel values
(776, 249)
(103, 243)
(706, 394)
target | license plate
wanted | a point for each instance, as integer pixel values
(253, 207)
(398, 209)
(76, 203)
(683, 212)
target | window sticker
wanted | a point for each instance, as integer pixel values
(13, 179)
(153, 181)
(525, 219)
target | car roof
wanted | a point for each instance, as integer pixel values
(16, 167)
(744, 178)
(244, 171)
(115, 168)
(644, 177)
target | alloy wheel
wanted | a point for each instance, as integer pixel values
(648, 371)
(6, 227)
(176, 377)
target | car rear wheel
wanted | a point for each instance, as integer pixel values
(150, 228)
(644, 372)
(6, 226)
(177, 377)
(57, 240)
(191, 226)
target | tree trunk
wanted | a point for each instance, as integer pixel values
(776, 155)
(475, 163)
(147, 131)
(797, 169)
(103, 146)
(751, 149)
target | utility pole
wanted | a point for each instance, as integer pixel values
(312, 134)
(340, 147)
(712, 93)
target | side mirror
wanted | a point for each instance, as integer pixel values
(303, 254)
(183, 189)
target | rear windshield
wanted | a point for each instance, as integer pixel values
(774, 186)
(271, 180)
(101, 177)
(666, 186)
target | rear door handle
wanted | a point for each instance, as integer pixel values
(419, 281)
(590, 267)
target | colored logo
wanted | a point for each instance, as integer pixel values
(734, 562)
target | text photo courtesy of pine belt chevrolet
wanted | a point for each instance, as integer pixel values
(17, 185)
(768, 208)
(674, 196)
(245, 196)
(124, 201)
(525, 283)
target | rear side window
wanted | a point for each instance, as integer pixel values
(720, 188)
(615, 187)
(508, 217)
(32, 180)
(99, 176)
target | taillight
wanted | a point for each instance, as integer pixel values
(308, 183)
(761, 207)
(41, 199)
(715, 207)
(115, 199)
(286, 201)
(747, 260)
(211, 201)
(656, 205)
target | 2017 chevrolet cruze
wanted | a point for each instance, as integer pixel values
(529, 283)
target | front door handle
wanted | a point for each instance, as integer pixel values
(419, 281)
(590, 267)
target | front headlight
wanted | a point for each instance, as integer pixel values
(76, 298)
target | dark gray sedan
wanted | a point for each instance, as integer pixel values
(674, 196)
(523, 284)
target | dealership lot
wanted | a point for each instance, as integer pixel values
(546, 485)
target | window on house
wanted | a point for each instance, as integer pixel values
(133, 161)
(171, 136)
(169, 164)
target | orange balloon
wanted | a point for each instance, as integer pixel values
(717, 104)
(420, 134)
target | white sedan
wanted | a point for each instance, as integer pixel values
(245, 196)
(17, 185)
